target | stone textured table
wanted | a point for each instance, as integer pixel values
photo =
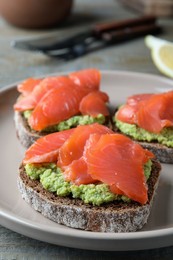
(16, 65)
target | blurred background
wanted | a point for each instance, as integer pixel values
(22, 19)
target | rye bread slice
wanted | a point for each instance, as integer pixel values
(110, 217)
(27, 136)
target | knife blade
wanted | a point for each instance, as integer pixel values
(89, 36)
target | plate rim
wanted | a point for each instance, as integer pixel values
(159, 233)
(122, 72)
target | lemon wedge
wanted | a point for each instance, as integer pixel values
(161, 53)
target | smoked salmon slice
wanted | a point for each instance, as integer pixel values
(31, 100)
(87, 78)
(46, 148)
(158, 112)
(94, 103)
(77, 172)
(151, 112)
(73, 148)
(27, 86)
(57, 105)
(117, 160)
(128, 112)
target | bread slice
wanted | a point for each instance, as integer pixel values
(27, 136)
(110, 217)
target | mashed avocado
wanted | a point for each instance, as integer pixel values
(53, 180)
(27, 114)
(165, 137)
(75, 121)
(34, 171)
(71, 122)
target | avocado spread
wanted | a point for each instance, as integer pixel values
(52, 179)
(165, 137)
(71, 122)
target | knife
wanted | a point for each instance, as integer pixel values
(108, 38)
(115, 30)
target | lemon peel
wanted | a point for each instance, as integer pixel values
(161, 53)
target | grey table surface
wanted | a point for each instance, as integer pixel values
(16, 65)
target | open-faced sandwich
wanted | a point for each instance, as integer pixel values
(59, 103)
(148, 119)
(90, 178)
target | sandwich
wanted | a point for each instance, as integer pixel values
(90, 178)
(148, 119)
(59, 103)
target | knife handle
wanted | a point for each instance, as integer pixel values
(98, 29)
(129, 33)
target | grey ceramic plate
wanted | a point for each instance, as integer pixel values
(20, 217)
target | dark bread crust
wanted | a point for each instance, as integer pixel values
(26, 135)
(23, 131)
(111, 217)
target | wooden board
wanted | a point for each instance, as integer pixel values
(156, 7)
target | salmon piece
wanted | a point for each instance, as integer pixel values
(156, 113)
(73, 148)
(87, 78)
(34, 89)
(28, 85)
(77, 172)
(151, 112)
(128, 112)
(94, 103)
(118, 161)
(115, 189)
(45, 149)
(31, 100)
(57, 105)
